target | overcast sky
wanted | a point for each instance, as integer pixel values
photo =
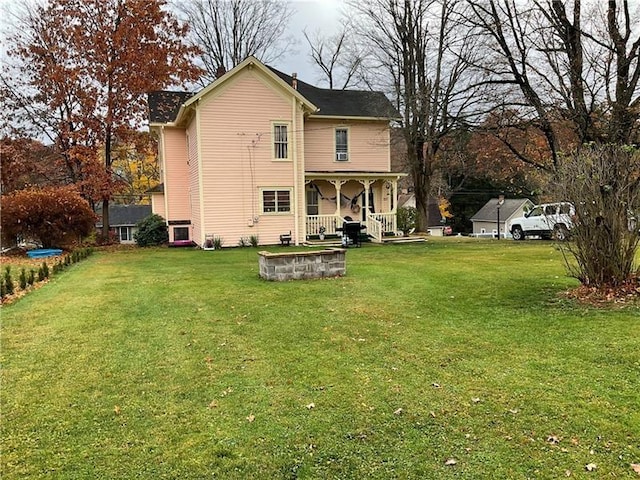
(323, 15)
(314, 15)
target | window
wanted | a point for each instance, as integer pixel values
(312, 201)
(276, 201)
(536, 212)
(125, 234)
(180, 234)
(342, 145)
(280, 142)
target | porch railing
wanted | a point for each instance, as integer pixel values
(377, 224)
(389, 223)
(374, 228)
(329, 222)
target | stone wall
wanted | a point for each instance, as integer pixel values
(302, 265)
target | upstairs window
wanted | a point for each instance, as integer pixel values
(342, 145)
(280, 142)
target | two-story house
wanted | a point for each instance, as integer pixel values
(261, 153)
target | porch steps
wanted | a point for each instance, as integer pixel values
(388, 240)
(336, 242)
(385, 241)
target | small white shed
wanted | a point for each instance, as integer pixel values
(493, 217)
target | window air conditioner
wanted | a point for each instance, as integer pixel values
(342, 156)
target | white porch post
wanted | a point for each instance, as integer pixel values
(338, 185)
(367, 189)
(394, 192)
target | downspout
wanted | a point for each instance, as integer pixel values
(164, 176)
(296, 220)
(200, 179)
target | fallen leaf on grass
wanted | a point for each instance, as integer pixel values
(475, 399)
(636, 467)
(553, 439)
(398, 411)
(450, 462)
(435, 385)
(311, 405)
(213, 404)
(116, 410)
(590, 467)
(251, 418)
(567, 473)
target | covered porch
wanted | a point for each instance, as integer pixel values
(369, 198)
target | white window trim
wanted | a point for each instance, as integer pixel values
(335, 145)
(276, 189)
(129, 234)
(283, 123)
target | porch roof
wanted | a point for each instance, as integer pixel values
(353, 175)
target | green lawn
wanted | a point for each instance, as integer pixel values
(183, 364)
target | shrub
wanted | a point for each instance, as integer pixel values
(217, 243)
(31, 279)
(8, 282)
(23, 279)
(45, 269)
(3, 288)
(603, 183)
(407, 218)
(41, 276)
(53, 215)
(151, 231)
(253, 239)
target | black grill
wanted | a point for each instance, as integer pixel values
(351, 233)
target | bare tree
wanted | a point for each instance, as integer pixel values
(227, 31)
(554, 62)
(337, 56)
(418, 53)
(574, 64)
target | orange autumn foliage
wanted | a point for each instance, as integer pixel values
(52, 215)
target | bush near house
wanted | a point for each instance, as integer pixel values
(407, 218)
(151, 231)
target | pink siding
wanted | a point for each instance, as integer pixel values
(176, 176)
(368, 146)
(197, 235)
(237, 158)
(157, 204)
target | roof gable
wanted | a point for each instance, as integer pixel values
(251, 63)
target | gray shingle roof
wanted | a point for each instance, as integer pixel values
(126, 215)
(343, 103)
(164, 105)
(489, 212)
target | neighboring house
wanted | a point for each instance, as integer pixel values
(259, 153)
(123, 220)
(485, 222)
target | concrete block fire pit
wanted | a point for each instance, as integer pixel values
(302, 265)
